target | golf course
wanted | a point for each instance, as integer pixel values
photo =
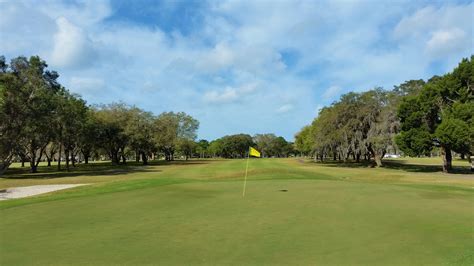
(295, 212)
(236, 132)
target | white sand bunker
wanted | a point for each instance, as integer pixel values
(22, 192)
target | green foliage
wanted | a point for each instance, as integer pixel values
(410, 87)
(173, 129)
(441, 111)
(112, 122)
(202, 148)
(232, 146)
(140, 128)
(415, 141)
(71, 116)
(272, 146)
(215, 148)
(358, 124)
(428, 114)
(186, 147)
(455, 133)
(29, 98)
(304, 141)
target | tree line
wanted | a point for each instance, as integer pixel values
(40, 120)
(416, 118)
(237, 146)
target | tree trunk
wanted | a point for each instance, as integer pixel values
(377, 156)
(73, 158)
(22, 163)
(471, 161)
(463, 156)
(447, 159)
(358, 157)
(144, 159)
(66, 153)
(3, 168)
(33, 168)
(86, 159)
(114, 157)
(59, 157)
(378, 160)
(137, 156)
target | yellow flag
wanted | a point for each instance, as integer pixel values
(253, 152)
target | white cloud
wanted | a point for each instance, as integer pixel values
(24, 30)
(72, 48)
(285, 108)
(445, 31)
(229, 94)
(218, 58)
(444, 42)
(85, 13)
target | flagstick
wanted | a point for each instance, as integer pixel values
(246, 170)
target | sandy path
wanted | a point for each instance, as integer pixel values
(22, 192)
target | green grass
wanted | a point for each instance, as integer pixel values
(193, 213)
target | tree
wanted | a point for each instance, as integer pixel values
(29, 94)
(280, 147)
(186, 147)
(358, 124)
(410, 87)
(72, 115)
(112, 121)
(89, 136)
(51, 151)
(140, 129)
(303, 141)
(9, 126)
(440, 115)
(216, 148)
(265, 144)
(172, 128)
(235, 146)
(321, 129)
(202, 148)
(385, 124)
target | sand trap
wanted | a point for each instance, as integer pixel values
(22, 192)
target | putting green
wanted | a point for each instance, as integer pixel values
(208, 222)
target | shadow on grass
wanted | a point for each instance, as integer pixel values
(94, 169)
(399, 165)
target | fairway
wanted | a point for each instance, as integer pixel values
(195, 214)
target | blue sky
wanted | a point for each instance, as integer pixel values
(237, 66)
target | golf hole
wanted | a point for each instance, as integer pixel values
(283, 190)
